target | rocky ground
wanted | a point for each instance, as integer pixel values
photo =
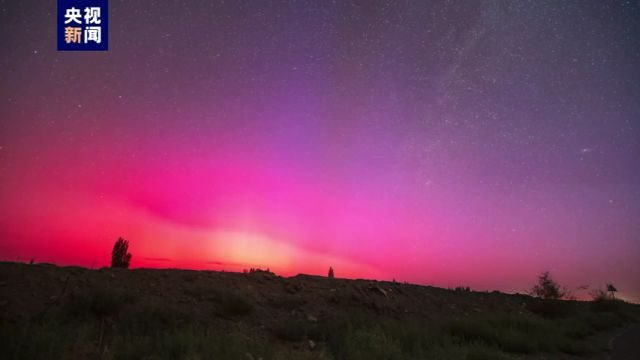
(70, 312)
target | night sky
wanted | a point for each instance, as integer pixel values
(446, 143)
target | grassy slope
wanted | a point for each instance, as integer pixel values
(74, 313)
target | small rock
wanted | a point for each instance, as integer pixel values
(248, 356)
(380, 291)
(312, 318)
(312, 345)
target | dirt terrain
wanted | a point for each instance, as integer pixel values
(297, 317)
(27, 290)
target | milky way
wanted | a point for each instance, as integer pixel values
(447, 143)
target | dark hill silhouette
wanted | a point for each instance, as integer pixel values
(49, 311)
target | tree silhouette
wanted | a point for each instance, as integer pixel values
(330, 272)
(547, 288)
(611, 290)
(120, 258)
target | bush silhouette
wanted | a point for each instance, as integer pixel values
(120, 258)
(233, 304)
(547, 288)
(99, 302)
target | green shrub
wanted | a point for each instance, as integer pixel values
(290, 330)
(511, 333)
(482, 352)
(188, 343)
(371, 343)
(551, 308)
(577, 348)
(288, 302)
(98, 301)
(603, 321)
(234, 305)
(46, 340)
(151, 315)
(106, 302)
(606, 304)
(202, 292)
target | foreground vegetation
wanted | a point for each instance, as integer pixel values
(108, 322)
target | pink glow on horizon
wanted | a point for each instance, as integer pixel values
(311, 134)
(236, 214)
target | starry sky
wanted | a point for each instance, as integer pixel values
(471, 143)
